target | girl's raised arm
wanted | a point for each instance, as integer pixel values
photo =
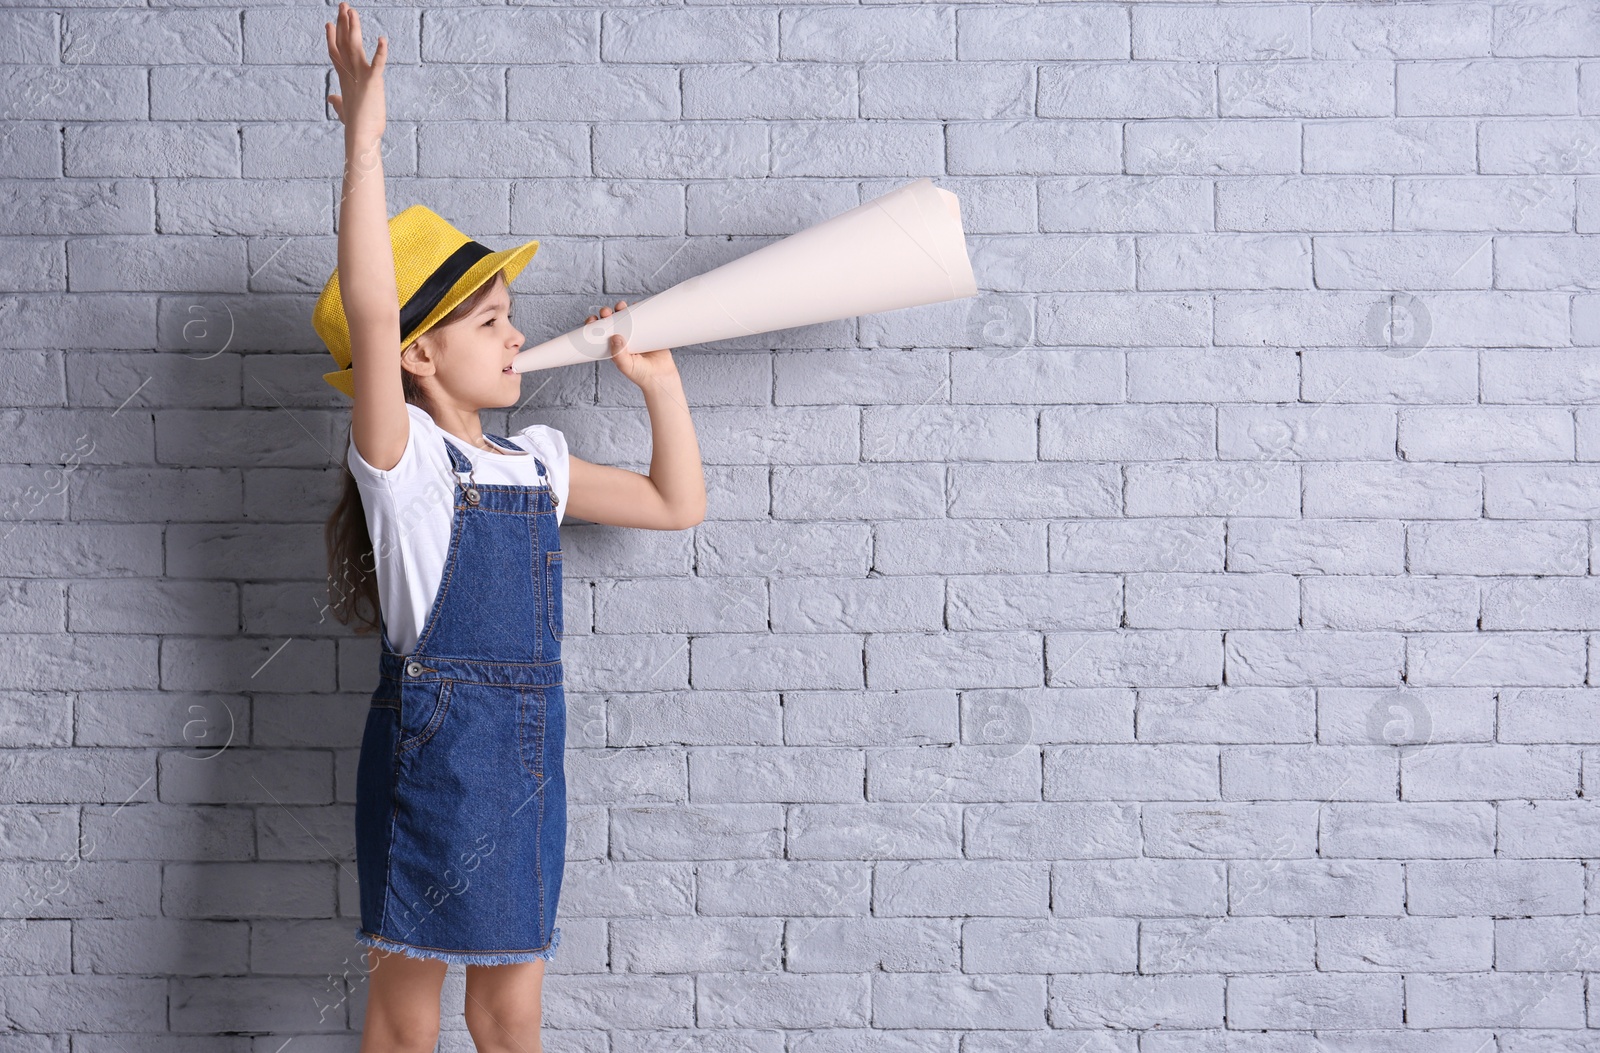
(378, 421)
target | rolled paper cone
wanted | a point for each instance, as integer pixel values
(903, 249)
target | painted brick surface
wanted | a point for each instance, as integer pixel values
(1190, 644)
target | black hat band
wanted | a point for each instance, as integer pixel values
(438, 284)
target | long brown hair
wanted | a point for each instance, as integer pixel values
(352, 564)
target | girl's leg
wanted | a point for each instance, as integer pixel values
(402, 1003)
(503, 1006)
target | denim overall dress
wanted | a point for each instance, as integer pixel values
(461, 803)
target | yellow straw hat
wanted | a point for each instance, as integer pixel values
(435, 268)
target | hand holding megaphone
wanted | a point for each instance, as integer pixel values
(903, 249)
(641, 367)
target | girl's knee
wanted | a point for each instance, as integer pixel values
(509, 1022)
(399, 1033)
(402, 1004)
(400, 1024)
(503, 1006)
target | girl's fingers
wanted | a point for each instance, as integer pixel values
(341, 57)
(355, 33)
(335, 49)
(346, 50)
(607, 312)
(350, 39)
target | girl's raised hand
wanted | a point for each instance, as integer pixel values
(641, 367)
(360, 106)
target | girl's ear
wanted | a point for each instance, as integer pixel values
(417, 353)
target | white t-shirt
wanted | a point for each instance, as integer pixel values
(410, 506)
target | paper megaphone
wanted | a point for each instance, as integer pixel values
(903, 249)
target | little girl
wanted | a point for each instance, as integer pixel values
(451, 535)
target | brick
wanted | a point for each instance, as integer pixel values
(1316, 1001)
(1099, 1000)
(1406, 944)
(471, 37)
(868, 34)
(1225, 147)
(1494, 887)
(688, 35)
(1494, 1000)
(1519, 203)
(1125, 89)
(1426, 32)
(1486, 86)
(1387, 831)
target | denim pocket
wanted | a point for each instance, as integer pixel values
(423, 704)
(533, 715)
(552, 576)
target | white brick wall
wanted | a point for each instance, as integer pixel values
(1185, 645)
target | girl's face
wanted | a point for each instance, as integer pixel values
(471, 355)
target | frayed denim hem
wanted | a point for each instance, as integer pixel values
(462, 957)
